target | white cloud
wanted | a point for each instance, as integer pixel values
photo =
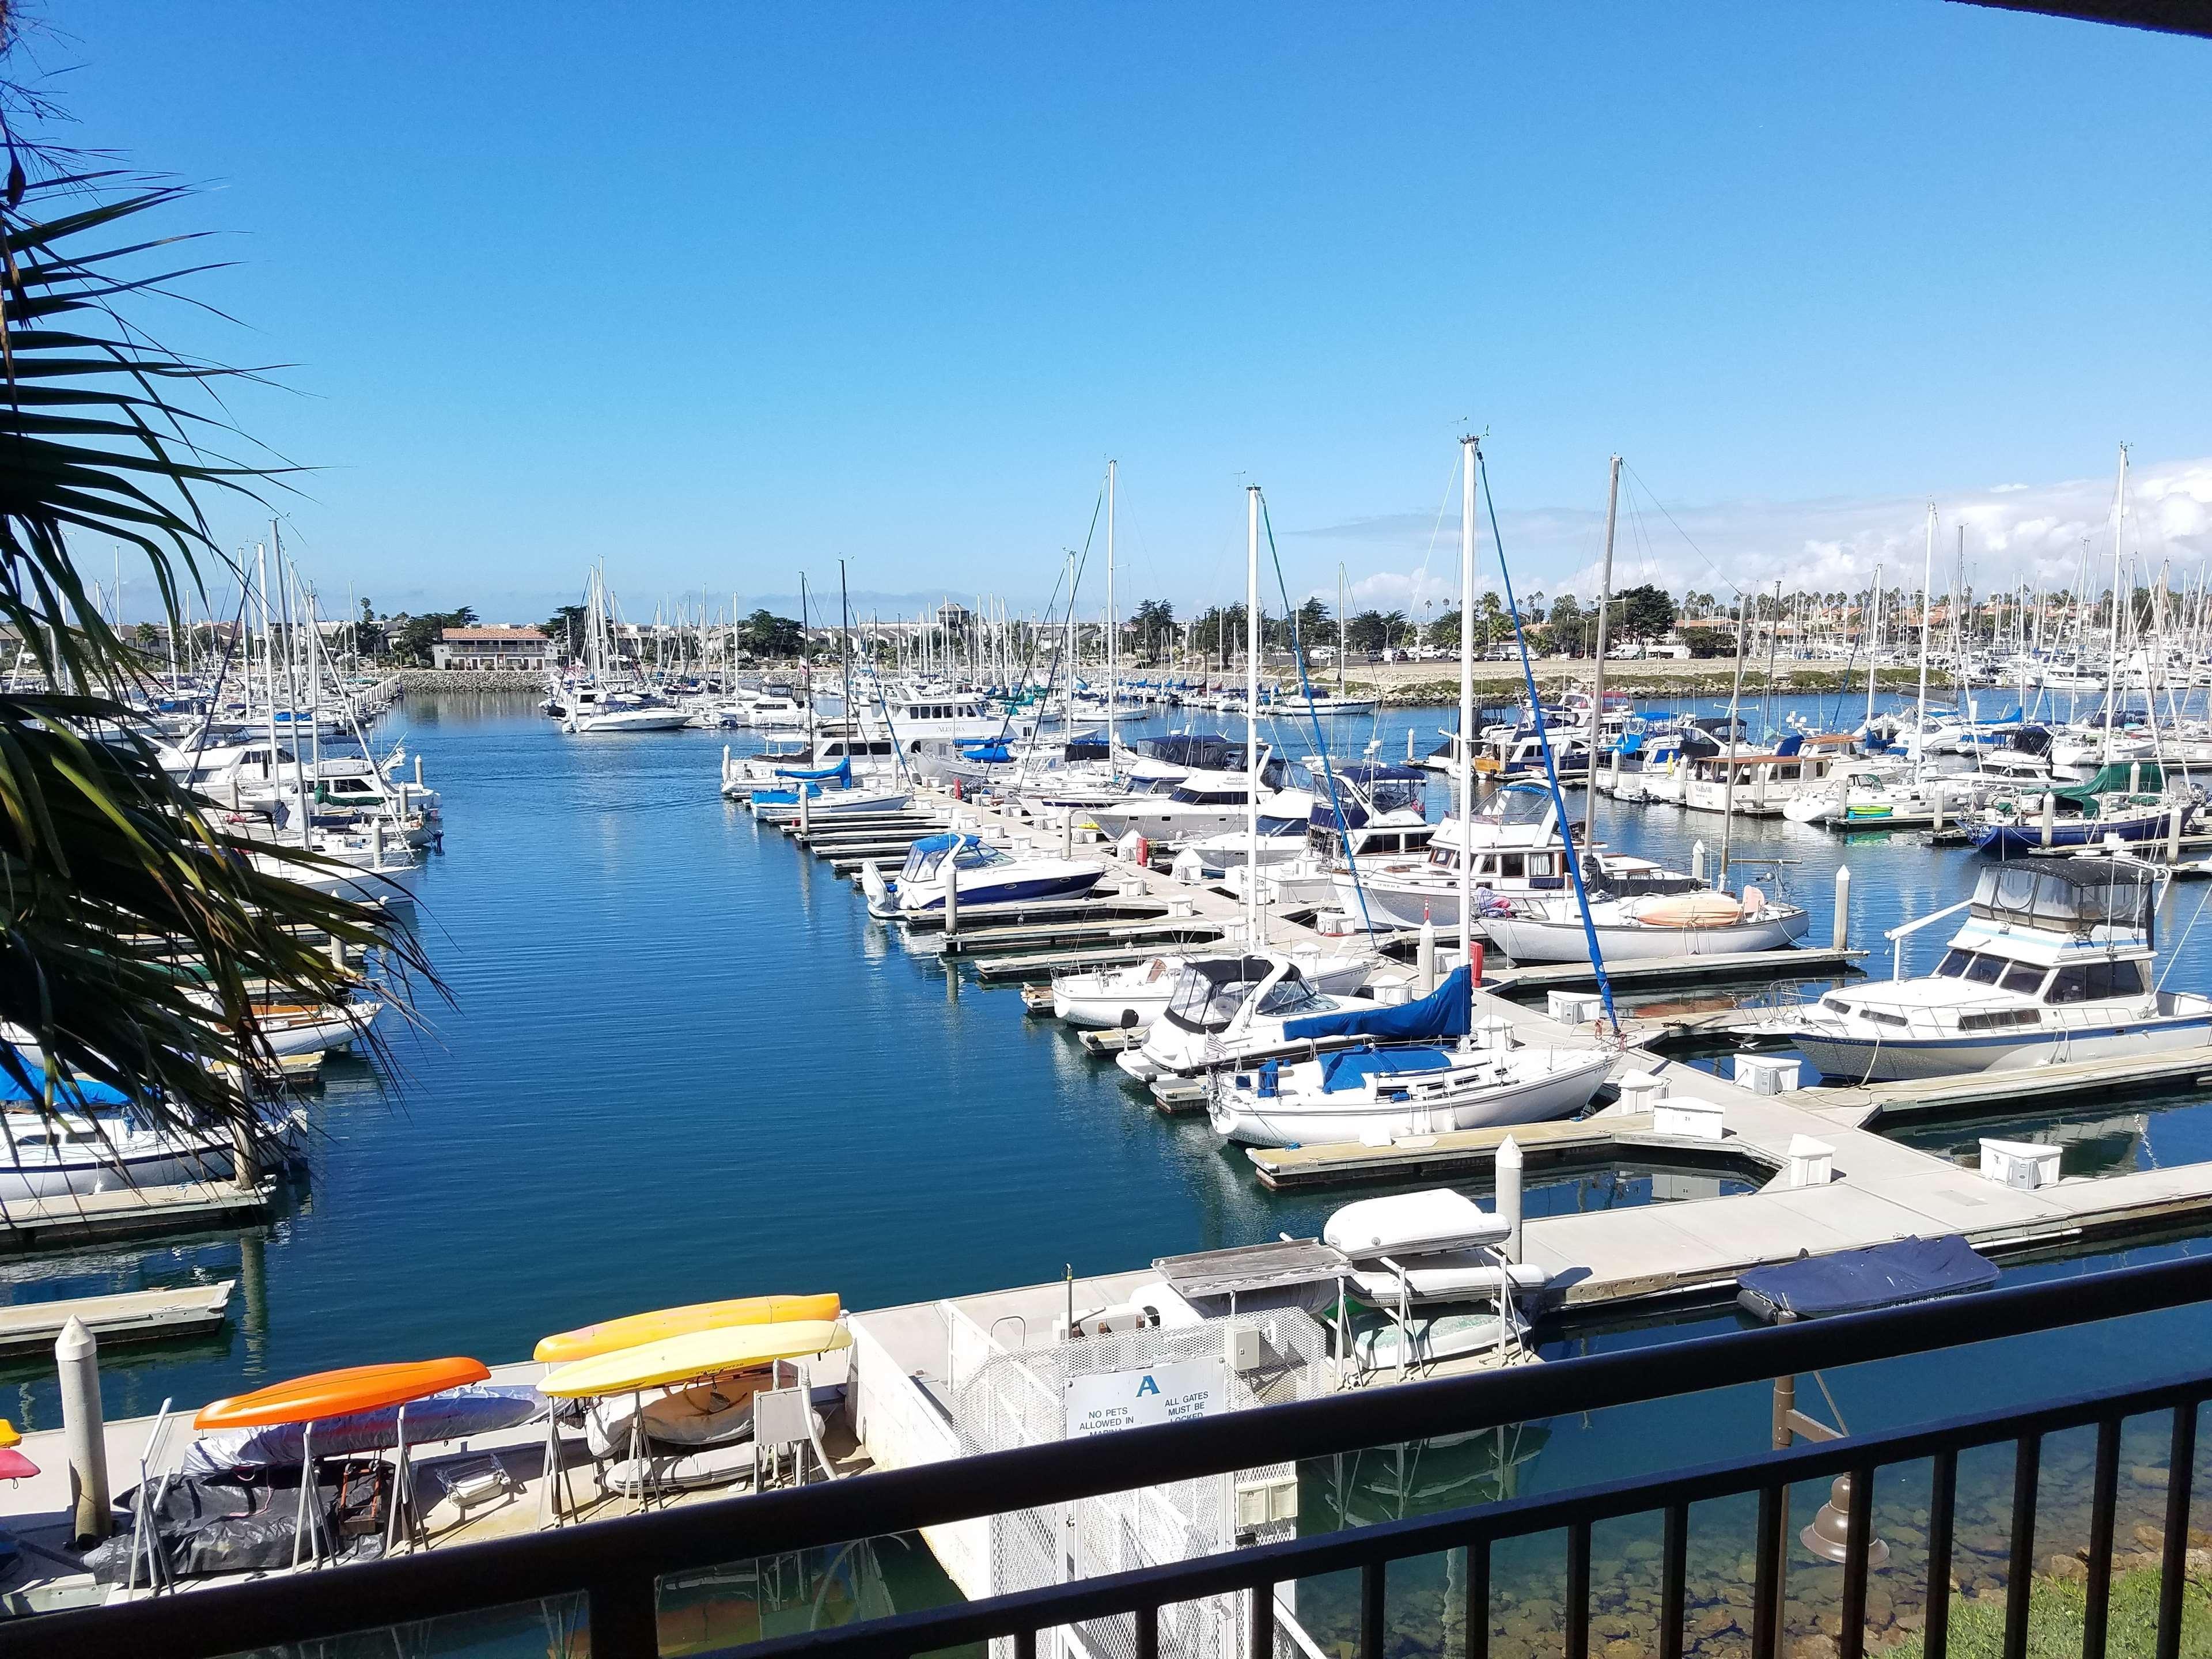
(2014, 532)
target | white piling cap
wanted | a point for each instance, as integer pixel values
(75, 1342)
(1509, 1153)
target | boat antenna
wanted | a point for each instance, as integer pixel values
(1544, 742)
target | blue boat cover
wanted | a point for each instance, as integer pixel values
(1790, 744)
(1352, 1067)
(1630, 742)
(1857, 1281)
(842, 772)
(1446, 1012)
(83, 1092)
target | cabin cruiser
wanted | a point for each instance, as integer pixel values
(1285, 816)
(2053, 963)
(1160, 764)
(1372, 1093)
(1649, 927)
(979, 873)
(1516, 852)
(766, 712)
(1203, 803)
(594, 712)
(1131, 998)
(1764, 781)
(1226, 1008)
(910, 717)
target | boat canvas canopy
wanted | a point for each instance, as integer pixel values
(2073, 896)
(1446, 1012)
(1859, 1281)
(841, 773)
(2118, 778)
(80, 1091)
(1351, 1069)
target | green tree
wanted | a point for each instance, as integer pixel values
(368, 634)
(565, 628)
(1644, 613)
(1154, 622)
(100, 439)
(769, 635)
(1443, 632)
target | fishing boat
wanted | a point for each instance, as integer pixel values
(1374, 1093)
(981, 873)
(2053, 963)
(1650, 927)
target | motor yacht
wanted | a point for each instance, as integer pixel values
(2054, 962)
(979, 872)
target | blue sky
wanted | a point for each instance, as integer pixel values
(721, 292)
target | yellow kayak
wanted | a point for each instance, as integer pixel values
(690, 1358)
(635, 1329)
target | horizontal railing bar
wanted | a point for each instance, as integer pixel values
(1477, 1526)
(501, 1572)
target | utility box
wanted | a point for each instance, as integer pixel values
(1641, 1091)
(2021, 1164)
(1574, 1007)
(1266, 1502)
(1767, 1074)
(1688, 1119)
(1812, 1163)
(1242, 1348)
(1494, 1031)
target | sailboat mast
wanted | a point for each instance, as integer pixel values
(1874, 641)
(807, 676)
(2112, 654)
(1113, 628)
(1927, 610)
(1604, 610)
(1466, 772)
(1340, 634)
(1253, 935)
(845, 667)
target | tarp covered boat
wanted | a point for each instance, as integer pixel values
(1859, 1281)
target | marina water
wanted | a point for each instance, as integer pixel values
(679, 1062)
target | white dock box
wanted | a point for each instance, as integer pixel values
(1812, 1163)
(1494, 1031)
(1641, 1091)
(1574, 1007)
(2020, 1164)
(1689, 1118)
(1767, 1074)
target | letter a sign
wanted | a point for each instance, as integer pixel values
(1112, 1400)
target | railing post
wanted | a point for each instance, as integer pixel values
(1674, 1556)
(1766, 1584)
(625, 1618)
(1579, 1590)
(2103, 1501)
(2020, 1573)
(1373, 1584)
(1858, 1542)
(2180, 1475)
(1478, 1599)
(1943, 1507)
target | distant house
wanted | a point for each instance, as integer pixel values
(482, 649)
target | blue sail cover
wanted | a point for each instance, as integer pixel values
(1353, 1066)
(83, 1092)
(842, 772)
(1446, 1012)
(1858, 1281)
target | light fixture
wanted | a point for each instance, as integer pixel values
(1828, 1534)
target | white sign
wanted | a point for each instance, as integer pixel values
(1111, 1401)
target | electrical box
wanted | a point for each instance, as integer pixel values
(1266, 1502)
(1240, 1348)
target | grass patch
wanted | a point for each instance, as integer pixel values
(2056, 1622)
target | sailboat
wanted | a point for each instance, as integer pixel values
(602, 705)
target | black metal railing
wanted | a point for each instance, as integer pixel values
(617, 1563)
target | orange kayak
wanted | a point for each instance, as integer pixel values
(634, 1330)
(336, 1394)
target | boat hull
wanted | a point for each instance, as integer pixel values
(1910, 1059)
(1527, 940)
(1250, 1121)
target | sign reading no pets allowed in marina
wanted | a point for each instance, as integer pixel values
(1112, 1400)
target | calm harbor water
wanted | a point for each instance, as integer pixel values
(680, 1062)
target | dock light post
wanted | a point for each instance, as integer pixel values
(1828, 1536)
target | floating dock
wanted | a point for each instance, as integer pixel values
(29, 1225)
(131, 1317)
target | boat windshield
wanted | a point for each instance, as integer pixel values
(1209, 993)
(1293, 998)
(1518, 804)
